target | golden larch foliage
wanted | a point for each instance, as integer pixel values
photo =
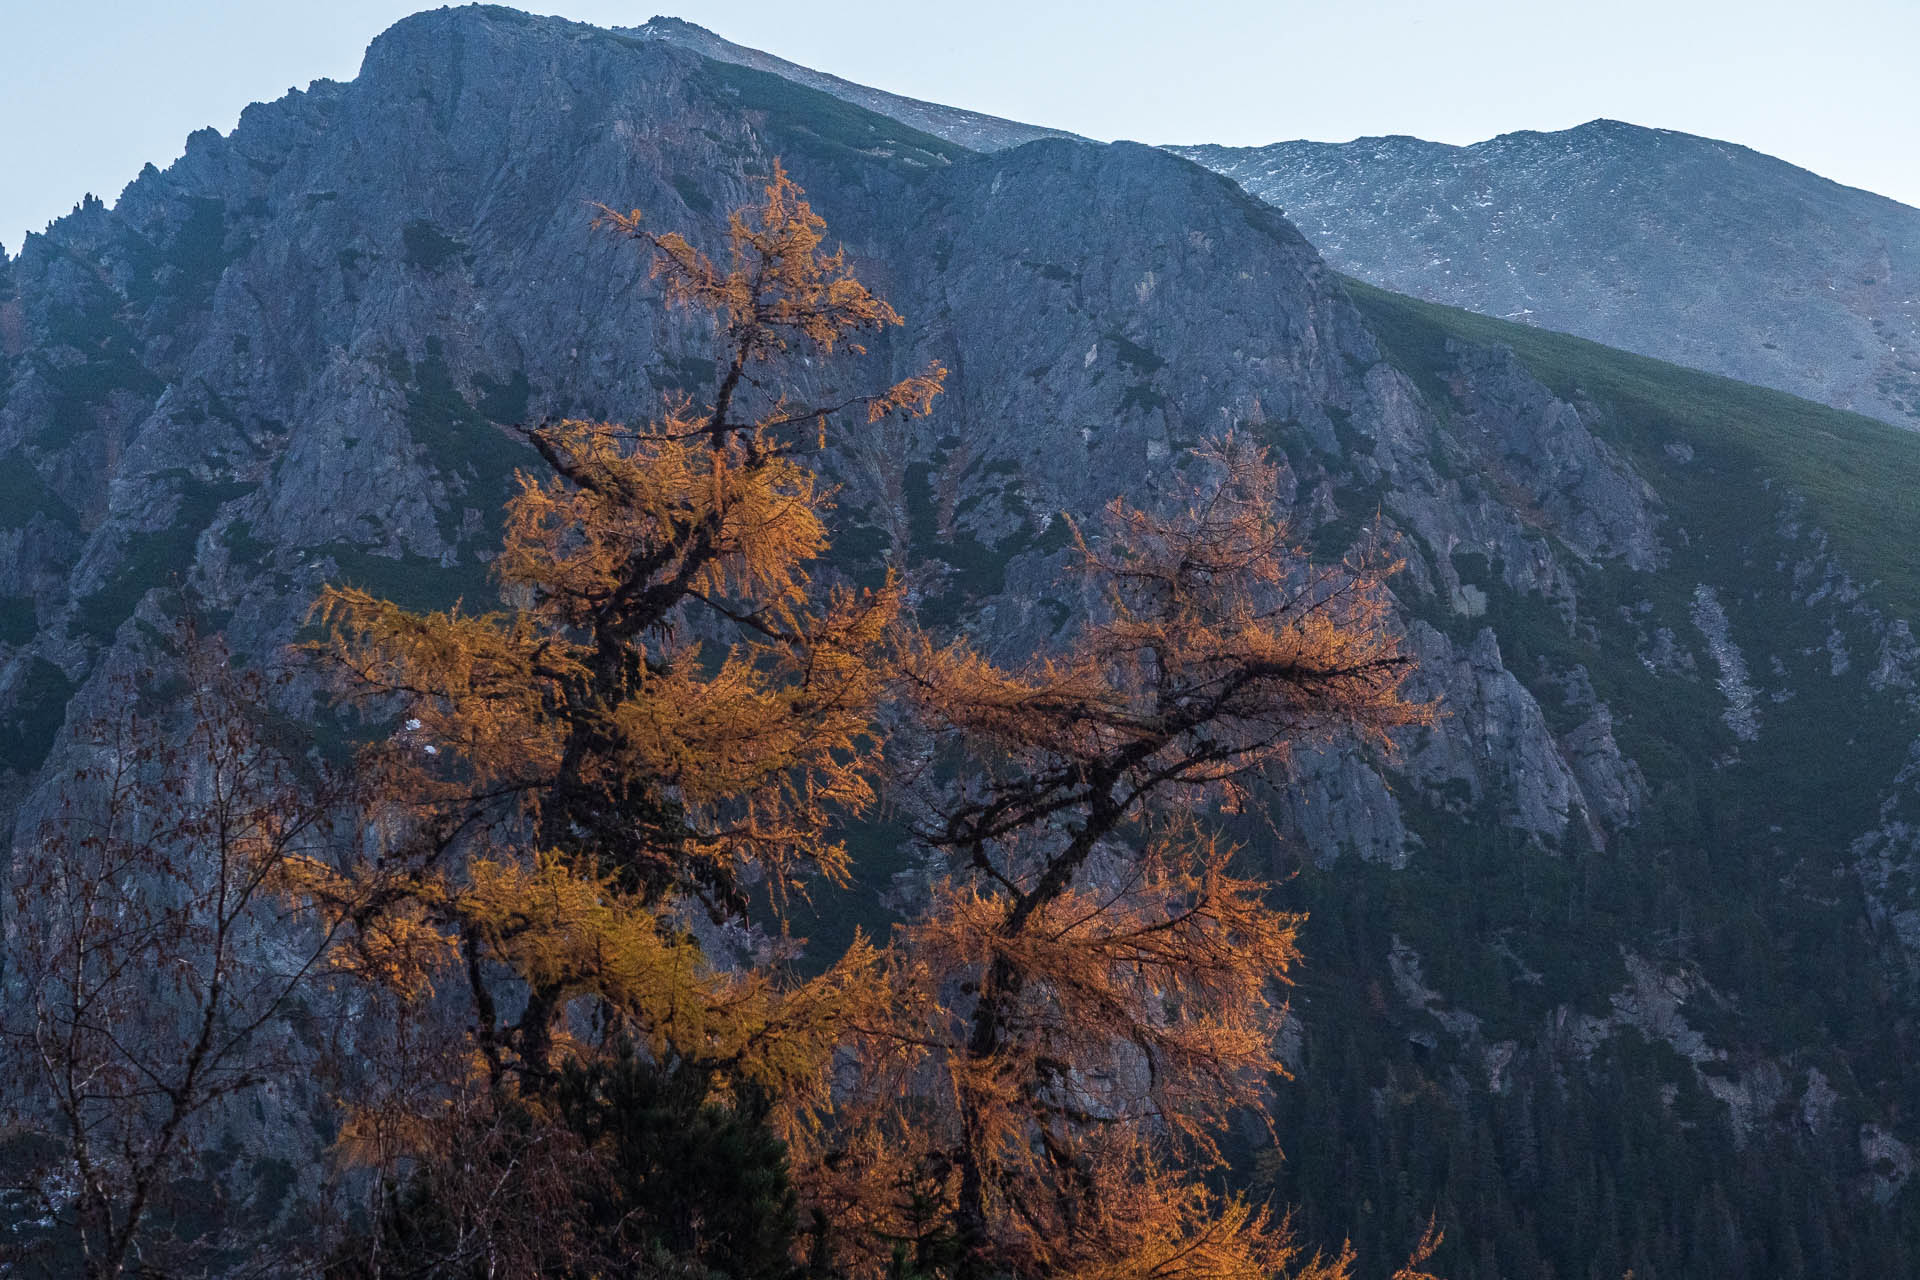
(1034, 1077)
(667, 711)
(1094, 988)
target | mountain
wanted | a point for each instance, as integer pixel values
(1688, 249)
(970, 129)
(1616, 965)
(1692, 250)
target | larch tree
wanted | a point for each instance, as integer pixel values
(1094, 987)
(667, 711)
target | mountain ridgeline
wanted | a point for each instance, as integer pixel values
(1615, 966)
(1686, 248)
(1693, 250)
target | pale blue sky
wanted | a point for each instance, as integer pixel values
(92, 89)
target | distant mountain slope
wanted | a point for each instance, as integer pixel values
(971, 129)
(1692, 250)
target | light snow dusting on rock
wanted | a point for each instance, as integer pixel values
(1741, 715)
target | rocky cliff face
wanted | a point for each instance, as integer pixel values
(1692, 250)
(1643, 896)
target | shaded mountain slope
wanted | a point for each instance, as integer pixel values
(1617, 962)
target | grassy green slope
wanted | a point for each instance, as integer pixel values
(1740, 859)
(1860, 476)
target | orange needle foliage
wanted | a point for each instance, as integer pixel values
(667, 710)
(1092, 991)
(1034, 1078)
